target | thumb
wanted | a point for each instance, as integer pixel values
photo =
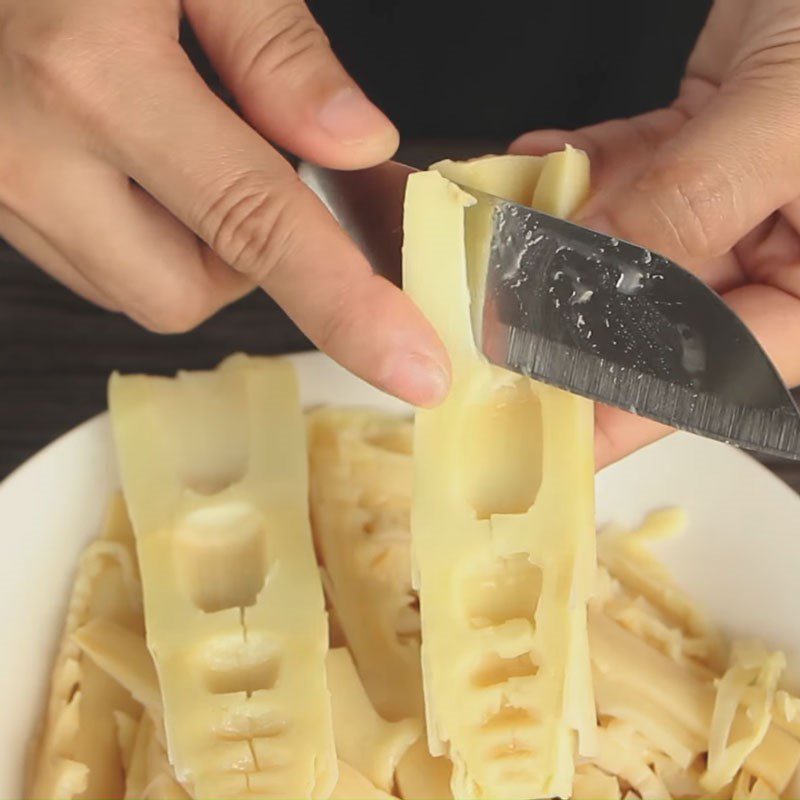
(722, 173)
(276, 60)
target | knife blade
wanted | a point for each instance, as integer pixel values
(589, 313)
(615, 322)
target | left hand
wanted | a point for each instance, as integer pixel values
(126, 178)
(712, 182)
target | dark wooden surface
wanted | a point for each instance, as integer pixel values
(57, 350)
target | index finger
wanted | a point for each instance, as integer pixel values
(171, 134)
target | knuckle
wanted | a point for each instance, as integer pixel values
(251, 224)
(695, 204)
(777, 55)
(43, 51)
(282, 40)
(69, 64)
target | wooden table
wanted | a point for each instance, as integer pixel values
(57, 351)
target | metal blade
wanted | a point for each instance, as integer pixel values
(585, 312)
(368, 204)
(614, 322)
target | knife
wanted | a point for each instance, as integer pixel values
(589, 313)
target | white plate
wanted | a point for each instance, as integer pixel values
(740, 558)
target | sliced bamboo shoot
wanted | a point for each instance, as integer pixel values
(420, 776)
(686, 701)
(214, 470)
(364, 740)
(123, 655)
(360, 499)
(78, 755)
(502, 515)
(591, 783)
(352, 785)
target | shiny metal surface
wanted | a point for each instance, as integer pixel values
(627, 327)
(591, 314)
(368, 204)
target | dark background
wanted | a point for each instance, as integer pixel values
(458, 78)
(494, 69)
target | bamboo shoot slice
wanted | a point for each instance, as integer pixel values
(364, 740)
(214, 470)
(360, 499)
(685, 699)
(352, 785)
(502, 517)
(420, 776)
(591, 783)
(78, 755)
(123, 655)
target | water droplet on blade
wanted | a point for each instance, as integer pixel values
(631, 279)
(582, 296)
(693, 351)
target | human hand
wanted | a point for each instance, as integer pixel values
(712, 182)
(127, 179)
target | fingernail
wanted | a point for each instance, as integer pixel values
(417, 378)
(349, 117)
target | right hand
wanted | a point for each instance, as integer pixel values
(712, 182)
(128, 180)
